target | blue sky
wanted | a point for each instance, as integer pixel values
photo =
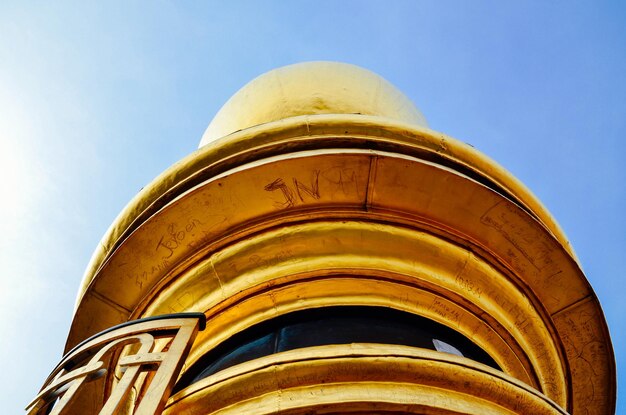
(96, 99)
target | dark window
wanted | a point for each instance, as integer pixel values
(333, 325)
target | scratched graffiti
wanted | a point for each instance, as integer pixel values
(272, 260)
(296, 191)
(174, 237)
(522, 233)
(445, 311)
(342, 179)
(468, 285)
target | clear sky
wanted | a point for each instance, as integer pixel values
(96, 99)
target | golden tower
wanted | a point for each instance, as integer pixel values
(346, 259)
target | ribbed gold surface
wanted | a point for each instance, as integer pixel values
(305, 211)
(361, 378)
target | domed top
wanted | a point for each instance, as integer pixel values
(307, 89)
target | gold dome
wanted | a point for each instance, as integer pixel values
(305, 205)
(311, 88)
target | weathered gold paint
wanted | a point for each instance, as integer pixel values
(345, 257)
(347, 198)
(365, 377)
(312, 132)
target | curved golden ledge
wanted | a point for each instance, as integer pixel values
(368, 264)
(394, 194)
(334, 193)
(305, 133)
(363, 377)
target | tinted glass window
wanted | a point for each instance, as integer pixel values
(333, 325)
